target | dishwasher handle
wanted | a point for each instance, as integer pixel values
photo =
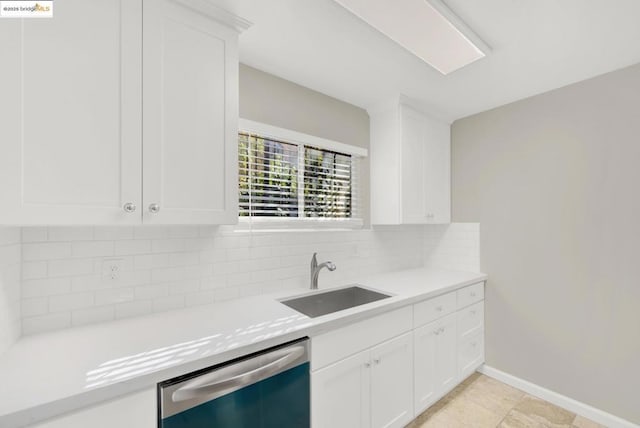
(214, 384)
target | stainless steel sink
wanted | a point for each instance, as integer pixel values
(317, 304)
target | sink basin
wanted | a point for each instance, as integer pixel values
(328, 302)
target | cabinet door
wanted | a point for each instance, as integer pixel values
(413, 173)
(434, 361)
(70, 128)
(136, 410)
(437, 168)
(447, 352)
(471, 354)
(340, 394)
(392, 383)
(190, 93)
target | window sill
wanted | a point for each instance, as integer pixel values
(271, 225)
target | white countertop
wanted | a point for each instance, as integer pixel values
(50, 374)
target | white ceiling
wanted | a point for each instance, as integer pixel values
(537, 45)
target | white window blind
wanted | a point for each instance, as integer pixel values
(288, 180)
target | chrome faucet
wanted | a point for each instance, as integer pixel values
(316, 268)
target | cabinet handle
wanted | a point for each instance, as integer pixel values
(439, 308)
(473, 294)
(376, 360)
(367, 365)
(129, 207)
(441, 329)
(154, 208)
(473, 312)
(436, 332)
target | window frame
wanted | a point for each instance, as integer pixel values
(302, 139)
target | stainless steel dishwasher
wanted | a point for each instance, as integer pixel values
(268, 389)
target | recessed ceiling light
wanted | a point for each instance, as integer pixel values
(426, 28)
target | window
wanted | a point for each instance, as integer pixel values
(286, 176)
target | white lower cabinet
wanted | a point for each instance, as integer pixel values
(340, 393)
(386, 370)
(470, 354)
(435, 361)
(137, 410)
(391, 382)
(370, 389)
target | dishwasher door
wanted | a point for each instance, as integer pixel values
(270, 389)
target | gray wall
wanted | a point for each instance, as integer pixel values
(554, 181)
(269, 99)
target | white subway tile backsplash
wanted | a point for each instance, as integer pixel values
(34, 234)
(168, 274)
(34, 270)
(454, 246)
(45, 287)
(113, 233)
(114, 295)
(151, 232)
(10, 254)
(66, 277)
(133, 309)
(152, 291)
(168, 303)
(93, 315)
(71, 233)
(46, 251)
(70, 267)
(227, 293)
(92, 249)
(34, 306)
(67, 302)
(129, 247)
(167, 245)
(183, 287)
(89, 282)
(44, 323)
(200, 298)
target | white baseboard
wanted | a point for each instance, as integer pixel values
(589, 412)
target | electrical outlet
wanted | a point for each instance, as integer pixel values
(111, 269)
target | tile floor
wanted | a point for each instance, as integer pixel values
(483, 402)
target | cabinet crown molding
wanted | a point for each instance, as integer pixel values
(215, 12)
(395, 102)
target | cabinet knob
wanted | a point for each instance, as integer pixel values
(367, 365)
(439, 308)
(129, 207)
(473, 294)
(154, 208)
(376, 360)
(473, 312)
(441, 330)
(436, 332)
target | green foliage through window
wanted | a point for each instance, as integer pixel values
(280, 179)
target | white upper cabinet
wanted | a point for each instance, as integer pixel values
(78, 147)
(410, 167)
(190, 141)
(70, 148)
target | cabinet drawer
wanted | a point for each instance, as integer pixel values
(432, 309)
(340, 343)
(470, 354)
(470, 295)
(470, 320)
